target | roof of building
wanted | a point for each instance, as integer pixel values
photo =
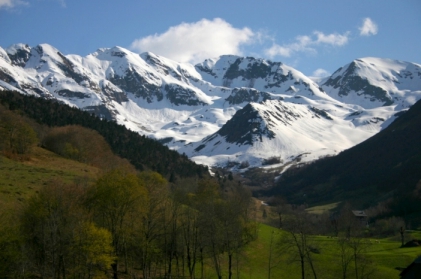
(416, 262)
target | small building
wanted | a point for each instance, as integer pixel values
(413, 271)
(361, 217)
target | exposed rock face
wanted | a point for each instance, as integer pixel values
(19, 56)
(72, 94)
(112, 92)
(134, 83)
(182, 96)
(247, 95)
(245, 126)
(350, 82)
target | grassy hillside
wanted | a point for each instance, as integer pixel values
(20, 179)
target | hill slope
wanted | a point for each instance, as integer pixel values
(386, 165)
(142, 152)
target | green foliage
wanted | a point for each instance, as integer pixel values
(11, 258)
(118, 200)
(59, 239)
(82, 144)
(208, 228)
(16, 135)
(92, 249)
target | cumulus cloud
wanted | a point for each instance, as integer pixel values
(194, 42)
(11, 3)
(331, 39)
(308, 44)
(368, 27)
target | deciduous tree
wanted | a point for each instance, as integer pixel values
(117, 201)
(57, 234)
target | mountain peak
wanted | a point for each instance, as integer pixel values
(371, 82)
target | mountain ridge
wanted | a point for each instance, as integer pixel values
(184, 105)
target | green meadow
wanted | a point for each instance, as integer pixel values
(385, 257)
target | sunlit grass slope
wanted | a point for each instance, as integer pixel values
(20, 179)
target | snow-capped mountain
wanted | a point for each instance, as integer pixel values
(373, 82)
(227, 109)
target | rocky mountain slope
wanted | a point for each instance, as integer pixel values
(386, 166)
(227, 109)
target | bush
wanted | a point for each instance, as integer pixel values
(231, 164)
(388, 227)
(16, 135)
(244, 165)
(83, 145)
(271, 161)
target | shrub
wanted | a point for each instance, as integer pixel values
(244, 164)
(83, 145)
(16, 135)
(271, 161)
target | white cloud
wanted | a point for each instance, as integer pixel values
(308, 44)
(6, 3)
(331, 39)
(194, 42)
(320, 73)
(368, 27)
(11, 3)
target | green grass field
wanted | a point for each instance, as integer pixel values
(385, 256)
(320, 209)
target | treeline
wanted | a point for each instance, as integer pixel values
(126, 223)
(142, 152)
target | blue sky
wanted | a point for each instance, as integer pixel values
(314, 36)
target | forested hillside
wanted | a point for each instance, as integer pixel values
(142, 152)
(84, 212)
